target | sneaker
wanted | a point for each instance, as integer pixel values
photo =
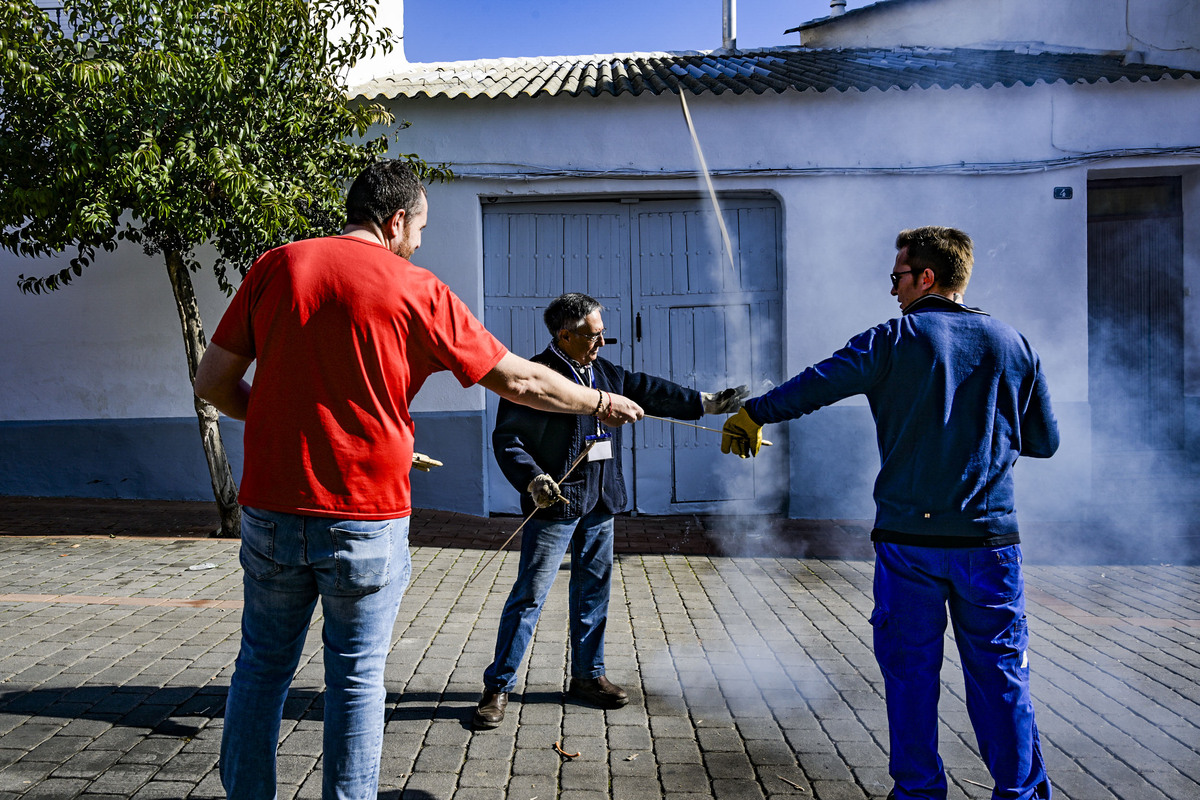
(598, 692)
(490, 711)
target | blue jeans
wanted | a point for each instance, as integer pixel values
(543, 545)
(358, 569)
(986, 596)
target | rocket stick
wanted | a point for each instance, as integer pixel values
(525, 522)
(690, 425)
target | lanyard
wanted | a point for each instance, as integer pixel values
(591, 374)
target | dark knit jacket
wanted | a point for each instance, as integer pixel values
(528, 442)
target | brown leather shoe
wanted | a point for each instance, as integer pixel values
(490, 711)
(598, 691)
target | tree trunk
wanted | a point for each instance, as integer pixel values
(224, 488)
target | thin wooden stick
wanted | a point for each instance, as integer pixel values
(525, 522)
(697, 427)
(790, 783)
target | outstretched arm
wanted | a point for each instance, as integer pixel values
(537, 386)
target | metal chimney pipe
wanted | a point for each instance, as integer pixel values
(837, 8)
(729, 24)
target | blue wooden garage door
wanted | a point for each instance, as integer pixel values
(678, 308)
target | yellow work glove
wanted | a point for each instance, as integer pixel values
(741, 435)
(424, 463)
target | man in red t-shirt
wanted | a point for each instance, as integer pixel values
(344, 330)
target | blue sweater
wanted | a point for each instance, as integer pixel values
(956, 396)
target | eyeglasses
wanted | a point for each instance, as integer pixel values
(896, 276)
(592, 338)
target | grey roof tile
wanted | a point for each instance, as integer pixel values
(776, 69)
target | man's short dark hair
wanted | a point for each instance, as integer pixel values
(946, 251)
(568, 311)
(381, 190)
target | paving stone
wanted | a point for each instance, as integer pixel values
(724, 739)
(478, 772)
(677, 751)
(57, 788)
(627, 762)
(636, 788)
(480, 793)
(439, 759)
(683, 778)
(163, 790)
(736, 789)
(122, 779)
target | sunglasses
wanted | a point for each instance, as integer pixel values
(896, 276)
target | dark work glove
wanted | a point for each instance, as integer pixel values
(726, 401)
(544, 491)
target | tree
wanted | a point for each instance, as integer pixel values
(173, 124)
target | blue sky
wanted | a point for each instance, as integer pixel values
(456, 30)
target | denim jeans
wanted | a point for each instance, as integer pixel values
(543, 545)
(359, 570)
(986, 596)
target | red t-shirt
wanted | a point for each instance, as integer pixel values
(345, 333)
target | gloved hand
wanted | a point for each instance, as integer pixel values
(544, 491)
(424, 463)
(725, 401)
(741, 435)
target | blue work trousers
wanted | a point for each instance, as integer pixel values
(984, 591)
(543, 545)
(359, 570)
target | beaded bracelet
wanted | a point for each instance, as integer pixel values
(599, 403)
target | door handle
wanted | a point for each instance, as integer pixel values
(637, 327)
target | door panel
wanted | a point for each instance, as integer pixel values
(1135, 315)
(657, 266)
(698, 360)
(532, 254)
(707, 324)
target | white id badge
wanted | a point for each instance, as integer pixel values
(601, 450)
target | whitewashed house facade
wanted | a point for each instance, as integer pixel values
(1063, 137)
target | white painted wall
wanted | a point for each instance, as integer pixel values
(1166, 31)
(106, 347)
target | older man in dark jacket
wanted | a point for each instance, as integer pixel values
(533, 448)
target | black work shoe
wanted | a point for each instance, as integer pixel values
(598, 691)
(490, 711)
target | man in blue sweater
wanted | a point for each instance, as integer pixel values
(956, 396)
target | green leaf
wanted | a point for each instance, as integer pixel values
(220, 124)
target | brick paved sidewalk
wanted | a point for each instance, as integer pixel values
(750, 678)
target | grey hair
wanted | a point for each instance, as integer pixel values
(569, 311)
